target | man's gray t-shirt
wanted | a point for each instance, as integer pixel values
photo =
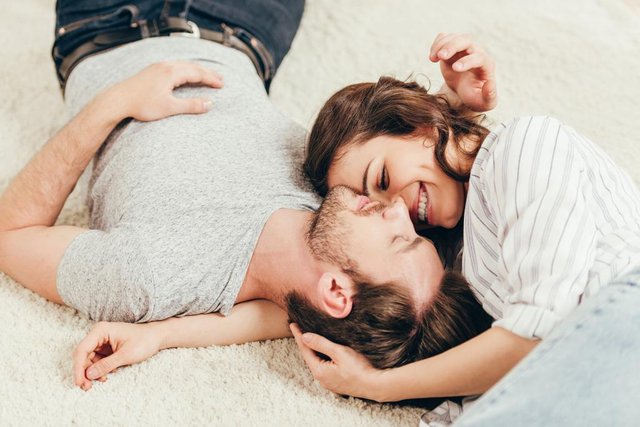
(177, 205)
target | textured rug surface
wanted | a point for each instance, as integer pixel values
(578, 60)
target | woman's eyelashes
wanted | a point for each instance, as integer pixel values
(383, 182)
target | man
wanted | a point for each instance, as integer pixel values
(194, 214)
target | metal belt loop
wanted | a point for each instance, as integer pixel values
(227, 32)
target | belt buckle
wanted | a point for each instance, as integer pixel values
(195, 31)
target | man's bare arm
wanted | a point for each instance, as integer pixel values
(111, 345)
(37, 194)
(30, 246)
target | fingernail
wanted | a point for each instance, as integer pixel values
(306, 337)
(91, 373)
(457, 66)
(207, 105)
(444, 52)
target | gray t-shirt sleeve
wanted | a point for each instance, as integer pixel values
(106, 276)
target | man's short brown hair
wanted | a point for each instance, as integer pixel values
(387, 327)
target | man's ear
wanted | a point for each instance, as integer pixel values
(336, 293)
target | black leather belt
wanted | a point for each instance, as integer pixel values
(234, 37)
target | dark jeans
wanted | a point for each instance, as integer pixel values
(273, 22)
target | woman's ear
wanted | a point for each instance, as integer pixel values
(336, 293)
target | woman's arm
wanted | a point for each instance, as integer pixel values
(111, 345)
(470, 368)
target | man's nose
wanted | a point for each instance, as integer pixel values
(397, 209)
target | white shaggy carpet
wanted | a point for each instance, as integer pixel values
(577, 60)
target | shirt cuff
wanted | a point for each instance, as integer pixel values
(528, 321)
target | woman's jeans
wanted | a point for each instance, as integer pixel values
(273, 22)
(586, 373)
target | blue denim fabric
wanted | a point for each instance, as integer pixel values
(274, 22)
(586, 373)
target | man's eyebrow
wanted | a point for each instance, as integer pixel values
(365, 189)
(413, 245)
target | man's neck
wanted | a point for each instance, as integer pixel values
(281, 261)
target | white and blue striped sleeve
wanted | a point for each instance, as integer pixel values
(537, 186)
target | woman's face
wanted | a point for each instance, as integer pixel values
(387, 167)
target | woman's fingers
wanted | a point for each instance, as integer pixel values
(311, 359)
(490, 94)
(438, 45)
(320, 344)
(474, 60)
(447, 46)
(316, 365)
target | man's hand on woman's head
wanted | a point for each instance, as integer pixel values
(467, 70)
(148, 95)
(109, 346)
(347, 372)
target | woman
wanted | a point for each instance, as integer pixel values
(549, 219)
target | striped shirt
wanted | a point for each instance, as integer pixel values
(549, 220)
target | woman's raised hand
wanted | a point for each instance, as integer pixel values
(148, 95)
(467, 70)
(347, 373)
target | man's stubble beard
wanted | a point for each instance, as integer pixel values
(328, 230)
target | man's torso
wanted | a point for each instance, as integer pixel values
(193, 192)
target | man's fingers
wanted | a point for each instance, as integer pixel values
(82, 354)
(196, 74)
(105, 366)
(96, 357)
(191, 105)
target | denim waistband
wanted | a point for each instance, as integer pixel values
(273, 22)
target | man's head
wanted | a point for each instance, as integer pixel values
(382, 289)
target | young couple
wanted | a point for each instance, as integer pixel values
(197, 214)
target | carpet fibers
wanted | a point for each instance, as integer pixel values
(578, 60)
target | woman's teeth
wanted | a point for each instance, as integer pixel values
(422, 206)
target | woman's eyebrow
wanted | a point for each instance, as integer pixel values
(365, 189)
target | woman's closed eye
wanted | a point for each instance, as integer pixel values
(383, 181)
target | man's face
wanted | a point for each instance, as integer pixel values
(376, 241)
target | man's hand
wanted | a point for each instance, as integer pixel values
(347, 373)
(109, 346)
(148, 95)
(467, 70)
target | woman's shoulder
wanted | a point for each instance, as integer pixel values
(524, 127)
(526, 135)
(521, 141)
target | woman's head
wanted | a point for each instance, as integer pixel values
(393, 139)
